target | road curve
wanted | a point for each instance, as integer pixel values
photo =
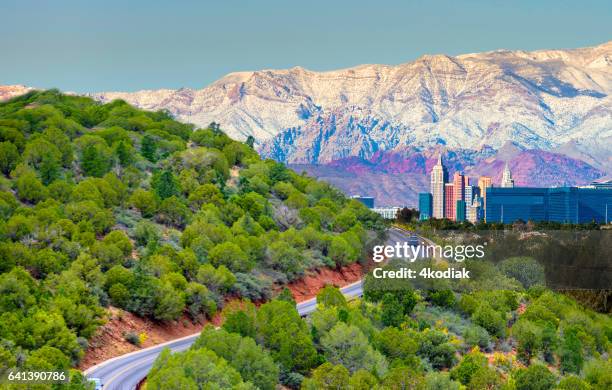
(126, 371)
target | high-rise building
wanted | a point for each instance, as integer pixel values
(480, 210)
(579, 205)
(471, 193)
(600, 185)
(507, 181)
(468, 192)
(460, 210)
(459, 192)
(562, 204)
(425, 205)
(484, 182)
(475, 211)
(508, 205)
(449, 201)
(439, 176)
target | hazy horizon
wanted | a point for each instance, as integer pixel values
(107, 46)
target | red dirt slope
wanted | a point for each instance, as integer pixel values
(309, 286)
(109, 340)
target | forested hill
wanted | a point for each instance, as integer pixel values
(105, 204)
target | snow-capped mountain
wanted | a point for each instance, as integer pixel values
(9, 91)
(549, 100)
(554, 100)
(553, 106)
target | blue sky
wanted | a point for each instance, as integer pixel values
(130, 45)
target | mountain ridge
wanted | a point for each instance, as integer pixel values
(232, 99)
(547, 101)
(395, 178)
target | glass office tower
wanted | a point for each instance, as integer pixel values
(563, 204)
(425, 206)
(460, 210)
(579, 205)
(507, 205)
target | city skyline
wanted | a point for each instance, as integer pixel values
(457, 200)
(507, 203)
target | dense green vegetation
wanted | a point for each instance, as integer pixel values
(558, 248)
(410, 219)
(104, 204)
(510, 339)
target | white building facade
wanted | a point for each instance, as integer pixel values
(507, 181)
(387, 212)
(439, 176)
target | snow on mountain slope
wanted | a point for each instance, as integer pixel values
(544, 99)
(10, 91)
(555, 104)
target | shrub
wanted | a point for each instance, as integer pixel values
(119, 295)
(572, 382)
(142, 337)
(476, 336)
(490, 319)
(598, 373)
(444, 298)
(485, 378)
(145, 202)
(528, 336)
(440, 381)
(535, 377)
(251, 287)
(331, 296)
(524, 269)
(132, 338)
(468, 366)
(146, 233)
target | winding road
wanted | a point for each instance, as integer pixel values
(126, 371)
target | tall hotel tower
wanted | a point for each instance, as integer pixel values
(507, 181)
(439, 176)
(459, 183)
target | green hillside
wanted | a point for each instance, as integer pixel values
(512, 339)
(105, 204)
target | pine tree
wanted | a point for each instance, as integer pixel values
(392, 312)
(570, 353)
(148, 148)
(250, 141)
(9, 156)
(93, 162)
(215, 127)
(165, 184)
(123, 154)
(49, 169)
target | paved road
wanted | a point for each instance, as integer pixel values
(126, 371)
